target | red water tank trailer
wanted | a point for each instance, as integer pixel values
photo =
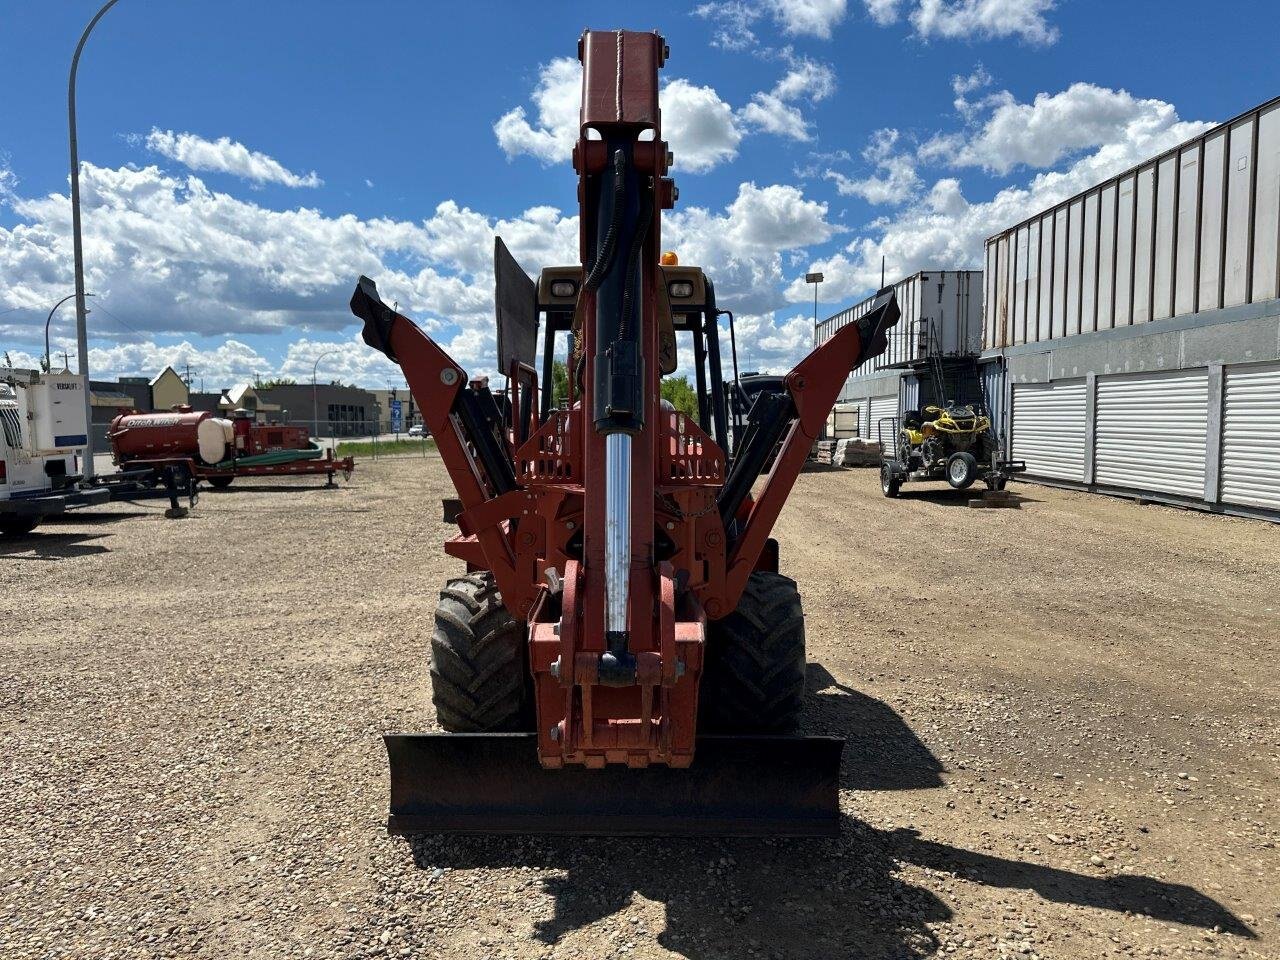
(176, 433)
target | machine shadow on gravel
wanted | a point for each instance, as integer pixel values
(732, 898)
(39, 545)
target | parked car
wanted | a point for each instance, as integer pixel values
(417, 430)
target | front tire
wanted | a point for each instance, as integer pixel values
(18, 524)
(753, 678)
(479, 677)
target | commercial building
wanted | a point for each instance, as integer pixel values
(1139, 327)
(337, 411)
(1130, 335)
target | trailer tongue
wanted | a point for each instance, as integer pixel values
(622, 655)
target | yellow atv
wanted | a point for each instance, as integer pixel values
(954, 442)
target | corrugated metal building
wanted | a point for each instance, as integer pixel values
(1140, 326)
(941, 316)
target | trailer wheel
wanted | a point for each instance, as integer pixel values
(479, 677)
(890, 481)
(18, 524)
(962, 470)
(220, 483)
(753, 678)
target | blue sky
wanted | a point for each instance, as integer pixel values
(246, 161)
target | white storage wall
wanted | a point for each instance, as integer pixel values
(1251, 435)
(880, 407)
(1048, 428)
(1147, 244)
(1150, 432)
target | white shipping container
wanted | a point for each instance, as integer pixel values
(939, 307)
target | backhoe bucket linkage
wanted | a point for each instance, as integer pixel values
(745, 786)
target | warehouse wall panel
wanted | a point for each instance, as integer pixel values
(1166, 220)
(1266, 225)
(1184, 297)
(1044, 309)
(1089, 265)
(1212, 196)
(1075, 231)
(1124, 252)
(1239, 192)
(1106, 256)
(1143, 227)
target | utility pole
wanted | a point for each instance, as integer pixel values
(82, 330)
(66, 361)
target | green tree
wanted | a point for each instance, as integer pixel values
(559, 382)
(679, 394)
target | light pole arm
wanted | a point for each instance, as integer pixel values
(82, 334)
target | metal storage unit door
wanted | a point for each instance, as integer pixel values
(1251, 435)
(1151, 432)
(1048, 428)
(882, 407)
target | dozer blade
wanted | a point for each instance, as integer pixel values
(747, 786)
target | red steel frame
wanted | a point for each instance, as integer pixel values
(677, 473)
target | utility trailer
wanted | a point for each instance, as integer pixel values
(196, 445)
(947, 435)
(622, 654)
(42, 431)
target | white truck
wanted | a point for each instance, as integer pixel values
(42, 431)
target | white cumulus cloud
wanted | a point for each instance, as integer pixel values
(944, 229)
(895, 181)
(970, 19)
(1050, 128)
(225, 155)
(776, 111)
(735, 20)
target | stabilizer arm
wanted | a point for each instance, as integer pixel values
(813, 386)
(481, 469)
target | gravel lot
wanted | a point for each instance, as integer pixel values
(1063, 725)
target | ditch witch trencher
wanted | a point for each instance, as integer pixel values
(622, 655)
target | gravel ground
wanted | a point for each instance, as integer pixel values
(1063, 731)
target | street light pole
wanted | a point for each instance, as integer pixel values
(47, 355)
(815, 279)
(82, 333)
(315, 409)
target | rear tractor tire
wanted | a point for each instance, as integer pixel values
(479, 677)
(753, 678)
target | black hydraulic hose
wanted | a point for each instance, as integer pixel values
(633, 260)
(605, 255)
